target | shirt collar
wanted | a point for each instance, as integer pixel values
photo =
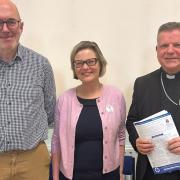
(19, 54)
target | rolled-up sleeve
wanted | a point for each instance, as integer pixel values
(55, 143)
(49, 93)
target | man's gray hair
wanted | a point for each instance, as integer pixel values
(169, 27)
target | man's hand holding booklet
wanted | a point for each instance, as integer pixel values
(160, 128)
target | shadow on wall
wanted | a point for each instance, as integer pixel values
(59, 80)
(150, 62)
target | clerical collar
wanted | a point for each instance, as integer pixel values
(172, 76)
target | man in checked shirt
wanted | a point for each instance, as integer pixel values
(27, 100)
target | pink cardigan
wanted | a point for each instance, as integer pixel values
(112, 110)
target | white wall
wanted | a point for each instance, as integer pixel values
(124, 30)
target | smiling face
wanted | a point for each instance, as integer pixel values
(87, 73)
(168, 50)
(9, 37)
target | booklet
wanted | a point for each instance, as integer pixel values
(160, 128)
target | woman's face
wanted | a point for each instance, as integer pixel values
(86, 66)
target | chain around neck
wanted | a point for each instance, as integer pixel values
(162, 83)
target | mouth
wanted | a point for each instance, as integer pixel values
(172, 58)
(6, 36)
(86, 73)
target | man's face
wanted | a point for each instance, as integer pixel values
(168, 50)
(9, 35)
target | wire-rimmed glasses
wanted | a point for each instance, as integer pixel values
(11, 23)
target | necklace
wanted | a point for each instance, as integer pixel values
(162, 83)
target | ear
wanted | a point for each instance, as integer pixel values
(21, 26)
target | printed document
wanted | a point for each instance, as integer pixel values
(160, 128)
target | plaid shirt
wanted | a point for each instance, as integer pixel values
(27, 100)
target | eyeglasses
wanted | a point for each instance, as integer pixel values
(11, 23)
(80, 63)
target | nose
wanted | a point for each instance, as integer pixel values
(85, 66)
(5, 28)
(170, 49)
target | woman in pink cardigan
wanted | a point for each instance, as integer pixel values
(89, 135)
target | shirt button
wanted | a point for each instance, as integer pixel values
(106, 128)
(105, 157)
(8, 142)
(102, 113)
(8, 103)
(105, 142)
(98, 100)
(105, 170)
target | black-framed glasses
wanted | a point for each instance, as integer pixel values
(89, 62)
(11, 23)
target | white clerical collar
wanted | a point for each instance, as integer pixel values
(170, 76)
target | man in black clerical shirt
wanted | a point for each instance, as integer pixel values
(156, 91)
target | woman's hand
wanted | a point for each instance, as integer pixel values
(121, 176)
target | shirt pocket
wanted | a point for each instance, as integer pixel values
(28, 88)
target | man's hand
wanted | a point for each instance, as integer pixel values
(144, 146)
(174, 145)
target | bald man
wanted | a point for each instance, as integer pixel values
(27, 100)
